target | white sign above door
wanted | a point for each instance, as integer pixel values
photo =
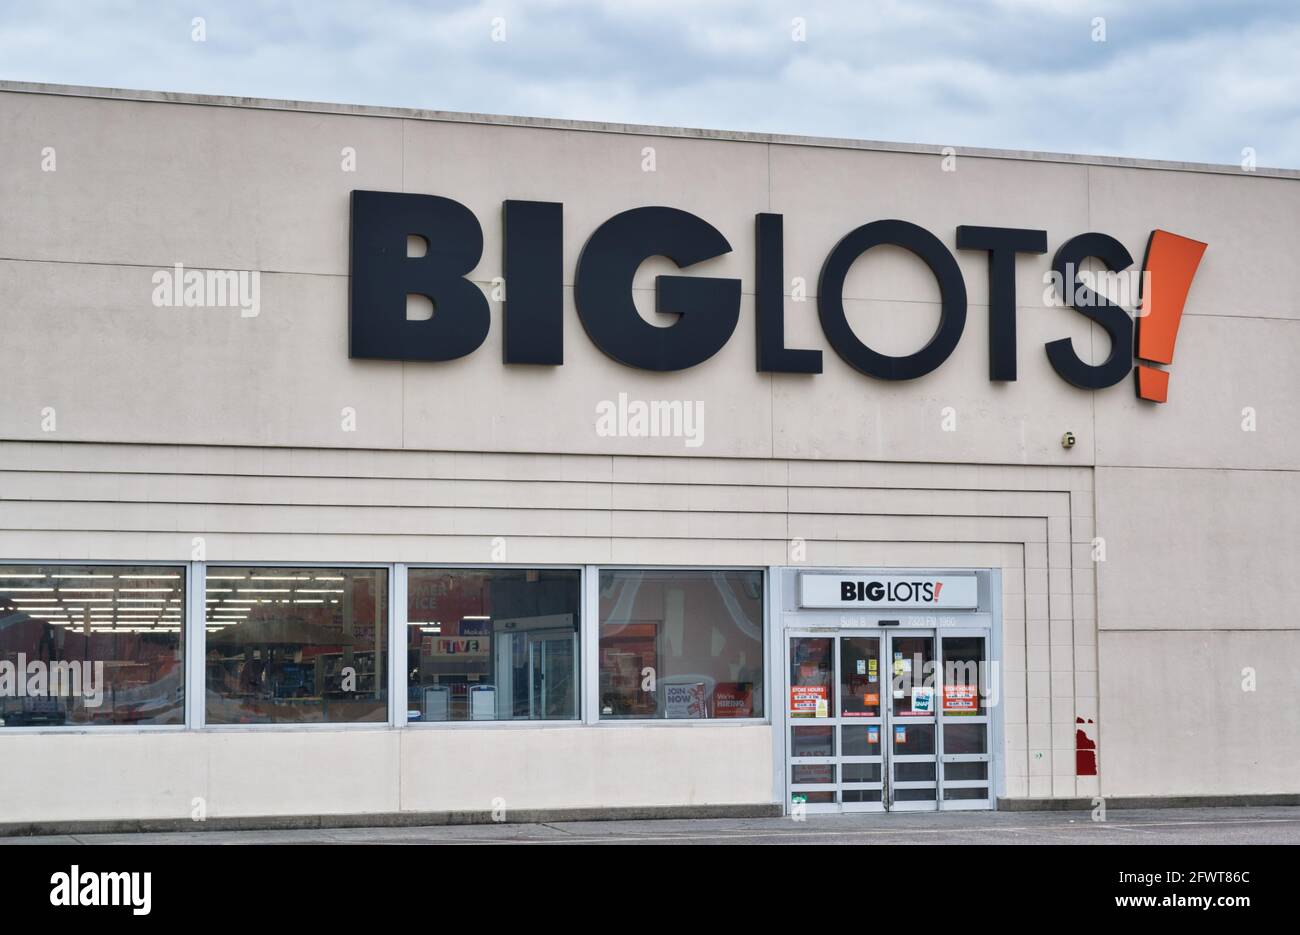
(835, 591)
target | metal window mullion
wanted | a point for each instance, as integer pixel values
(195, 644)
(788, 719)
(887, 720)
(589, 645)
(993, 651)
(398, 641)
(939, 719)
(836, 706)
(775, 704)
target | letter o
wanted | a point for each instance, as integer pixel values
(952, 307)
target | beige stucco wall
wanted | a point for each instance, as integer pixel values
(175, 423)
(225, 774)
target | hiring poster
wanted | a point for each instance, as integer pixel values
(961, 699)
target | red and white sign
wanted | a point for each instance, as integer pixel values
(733, 699)
(961, 699)
(804, 699)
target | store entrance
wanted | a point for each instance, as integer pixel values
(887, 720)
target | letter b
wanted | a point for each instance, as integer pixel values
(383, 275)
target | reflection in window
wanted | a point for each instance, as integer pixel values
(296, 645)
(488, 644)
(812, 741)
(91, 644)
(860, 684)
(965, 738)
(681, 644)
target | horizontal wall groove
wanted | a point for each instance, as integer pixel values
(491, 532)
(517, 481)
(856, 501)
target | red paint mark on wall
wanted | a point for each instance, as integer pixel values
(1085, 750)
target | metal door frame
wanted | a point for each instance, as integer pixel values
(537, 640)
(880, 721)
(894, 722)
(989, 736)
(832, 720)
(886, 721)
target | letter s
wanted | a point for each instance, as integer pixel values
(1111, 317)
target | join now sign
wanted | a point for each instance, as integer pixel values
(950, 592)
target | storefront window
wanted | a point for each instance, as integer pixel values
(681, 644)
(296, 645)
(91, 644)
(489, 644)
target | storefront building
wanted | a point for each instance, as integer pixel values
(370, 464)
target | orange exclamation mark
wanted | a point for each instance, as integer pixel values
(1171, 264)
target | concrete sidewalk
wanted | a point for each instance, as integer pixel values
(1181, 826)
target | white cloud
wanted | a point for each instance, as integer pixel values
(1176, 79)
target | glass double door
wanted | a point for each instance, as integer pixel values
(888, 720)
(536, 674)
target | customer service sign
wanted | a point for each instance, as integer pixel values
(834, 591)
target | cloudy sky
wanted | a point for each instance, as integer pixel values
(1173, 79)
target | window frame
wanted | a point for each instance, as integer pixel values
(584, 659)
(198, 621)
(187, 650)
(591, 674)
(194, 646)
